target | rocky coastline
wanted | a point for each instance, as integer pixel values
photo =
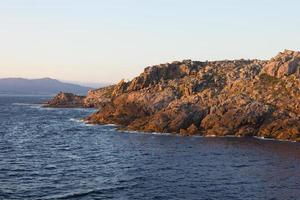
(259, 98)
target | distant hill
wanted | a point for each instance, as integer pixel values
(43, 86)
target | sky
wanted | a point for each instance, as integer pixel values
(103, 41)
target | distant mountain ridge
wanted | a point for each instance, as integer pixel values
(43, 86)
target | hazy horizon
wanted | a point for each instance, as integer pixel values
(105, 41)
(86, 84)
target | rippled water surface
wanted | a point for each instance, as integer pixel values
(51, 154)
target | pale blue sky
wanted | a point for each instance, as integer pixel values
(106, 40)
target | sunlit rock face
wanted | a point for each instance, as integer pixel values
(284, 64)
(63, 99)
(211, 98)
(98, 97)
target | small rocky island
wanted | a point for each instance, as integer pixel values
(66, 100)
(212, 98)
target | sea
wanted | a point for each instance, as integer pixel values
(50, 153)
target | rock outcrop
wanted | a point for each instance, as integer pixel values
(284, 64)
(211, 98)
(97, 98)
(66, 100)
(94, 99)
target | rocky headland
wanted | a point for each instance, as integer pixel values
(212, 98)
(66, 100)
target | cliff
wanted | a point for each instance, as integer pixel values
(212, 98)
(97, 98)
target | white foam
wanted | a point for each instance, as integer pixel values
(148, 133)
(231, 136)
(81, 121)
(89, 124)
(25, 104)
(158, 133)
(210, 136)
(20, 104)
(84, 109)
(263, 138)
(31, 105)
(271, 139)
(38, 106)
(197, 136)
(76, 120)
(72, 156)
(113, 125)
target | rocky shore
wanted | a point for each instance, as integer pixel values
(212, 98)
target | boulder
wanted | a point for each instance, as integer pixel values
(284, 64)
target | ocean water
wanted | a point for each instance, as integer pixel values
(51, 154)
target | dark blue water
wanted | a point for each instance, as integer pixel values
(49, 154)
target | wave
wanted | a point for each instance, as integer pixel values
(31, 105)
(89, 124)
(72, 156)
(50, 167)
(73, 195)
(76, 120)
(149, 133)
(83, 109)
(81, 122)
(85, 193)
(21, 104)
(157, 133)
(38, 106)
(271, 139)
(111, 125)
(26, 104)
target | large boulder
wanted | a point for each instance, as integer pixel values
(284, 64)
